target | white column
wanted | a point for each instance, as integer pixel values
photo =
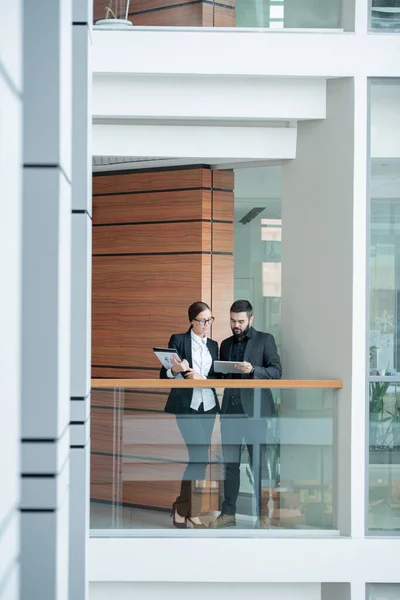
(46, 300)
(323, 270)
(80, 299)
(10, 313)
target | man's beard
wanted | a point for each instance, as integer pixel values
(241, 335)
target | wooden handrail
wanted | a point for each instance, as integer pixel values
(333, 384)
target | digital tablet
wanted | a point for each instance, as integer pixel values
(165, 355)
(226, 366)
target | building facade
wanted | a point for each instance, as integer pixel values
(214, 151)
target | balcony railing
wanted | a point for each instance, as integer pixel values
(277, 441)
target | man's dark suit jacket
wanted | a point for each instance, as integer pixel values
(179, 400)
(262, 353)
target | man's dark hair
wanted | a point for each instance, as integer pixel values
(242, 306)
(196, 308)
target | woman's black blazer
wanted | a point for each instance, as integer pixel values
(179, 399)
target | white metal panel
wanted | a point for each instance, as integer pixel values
(249, 143)
(188, 97)
(235, 52)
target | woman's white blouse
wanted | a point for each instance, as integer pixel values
(202, 362)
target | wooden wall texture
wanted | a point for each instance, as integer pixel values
(161, 240)
(178, 13)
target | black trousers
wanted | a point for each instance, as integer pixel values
(196, 429)
(238, 429)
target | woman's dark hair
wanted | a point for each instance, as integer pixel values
(242, 306)
(196, 308)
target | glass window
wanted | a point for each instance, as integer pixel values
(385, 15)
(309, 14)
(383, 591)
(257, 249)
(384, 314)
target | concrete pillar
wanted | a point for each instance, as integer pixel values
(81, 276)
(323, 277)
(46, 300)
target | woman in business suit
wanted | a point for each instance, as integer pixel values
(195, 409)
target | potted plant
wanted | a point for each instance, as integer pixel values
(116, 15)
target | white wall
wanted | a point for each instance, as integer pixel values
(10, 301)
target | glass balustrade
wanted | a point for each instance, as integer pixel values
(268, 462)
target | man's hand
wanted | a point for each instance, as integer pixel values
(245, 367)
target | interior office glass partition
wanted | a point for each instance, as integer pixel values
(384, 315)
(272, 14)
(257, 244)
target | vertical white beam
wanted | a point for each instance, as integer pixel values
(10, 313)
(359, 318)
(46, 264)
(317, 267)
(80, 299)
(362, 10)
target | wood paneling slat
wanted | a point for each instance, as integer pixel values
(157, 494)
(224, 17)
(223, 180)
(223, 206)
(207, 15)
(222, 238)
(157, 237)
(146, 5)
(151, 181)
(190, 15)
(206, 279)
(157, 206)
(110, 372)
(222, 294)
(132, 399)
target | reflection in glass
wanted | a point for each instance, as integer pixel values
(138, 457)
(383, 591)
(385, 15)
(384, 316)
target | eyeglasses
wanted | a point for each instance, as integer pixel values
(209, 321)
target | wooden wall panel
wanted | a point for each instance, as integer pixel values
(138, 302)
(150, 206)
(223, 238)
(223, 209)
(223, 180)
(187, 15)
(224, 16)
(222, 293)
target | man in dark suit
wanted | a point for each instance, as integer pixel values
(258, 355)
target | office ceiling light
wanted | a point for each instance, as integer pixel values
(116, 15)
(251, 214)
